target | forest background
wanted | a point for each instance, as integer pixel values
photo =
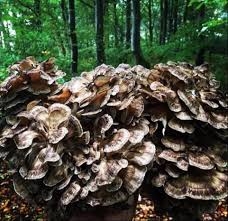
(82, 34)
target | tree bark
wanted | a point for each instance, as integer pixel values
(64, 11)
(121, 28)
(200, 57)
(65, 19)
(161, 38)
(73, 38)
(37, 9)
(163, 21)
(6, 35)
(99, 21)
(170, 18)
(186, 8)
(175, 16)
(136, 19)
(2, 31)
(150, 25)
(128, 24)
(116, 43)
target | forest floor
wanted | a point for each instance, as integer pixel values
(13, 208)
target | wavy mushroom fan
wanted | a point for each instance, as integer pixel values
(93, 139)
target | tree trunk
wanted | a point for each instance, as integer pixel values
(175, 16)
(124, 211)
(165, 20)
(2, 31)
(136, 19)
(7, 37)
(128, 24)
(136, 30)
(161, 22)
(99, 21)
(150, 25)
(200, 57)
(65, 18)
(116, 43)
(37, 9)
(170, 18)
(121, 28)
(186, 8)
(63, 11)
(73, 38)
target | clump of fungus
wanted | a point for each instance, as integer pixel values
(93, 139)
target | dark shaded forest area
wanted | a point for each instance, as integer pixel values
(81, 34)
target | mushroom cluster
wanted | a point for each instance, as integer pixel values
(92, 140)
(191, 157)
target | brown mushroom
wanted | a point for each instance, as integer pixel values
(181, 126)
(133, 177)
(71, 192)
(173, 143)
(118, 141)
(203, 186)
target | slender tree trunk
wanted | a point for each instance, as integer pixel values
(73, 38)
(170, 18)
(37, 9)
(2, 31)
(128, 24)
(136, 30)
(7, 36)
(2, 44)
(175, 16)
(64, 10)
(116, 40)
(150, 25)
(186, 8)
(200, 57)
(161, 22)
(121, 28)
(165, 20)
(136, 18)
(65, 18)
(99, 21)
(65, 15)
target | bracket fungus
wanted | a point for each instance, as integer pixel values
(93, 139)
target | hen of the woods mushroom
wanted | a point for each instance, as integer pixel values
(93, 139)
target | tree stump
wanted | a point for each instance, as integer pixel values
(118, 212)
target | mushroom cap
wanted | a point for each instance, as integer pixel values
(142, 154)
(209, 186)
(25, 139)
(71, 192)
(118, 141)
(200, 160)
(108, 170)
(133, 177)
(175, 144)
(181, 126)
(115, 185)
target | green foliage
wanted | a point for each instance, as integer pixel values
(23, 36)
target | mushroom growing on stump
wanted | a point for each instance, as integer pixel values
(191, 162)
(93, 142)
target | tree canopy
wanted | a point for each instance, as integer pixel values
(81, 34)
